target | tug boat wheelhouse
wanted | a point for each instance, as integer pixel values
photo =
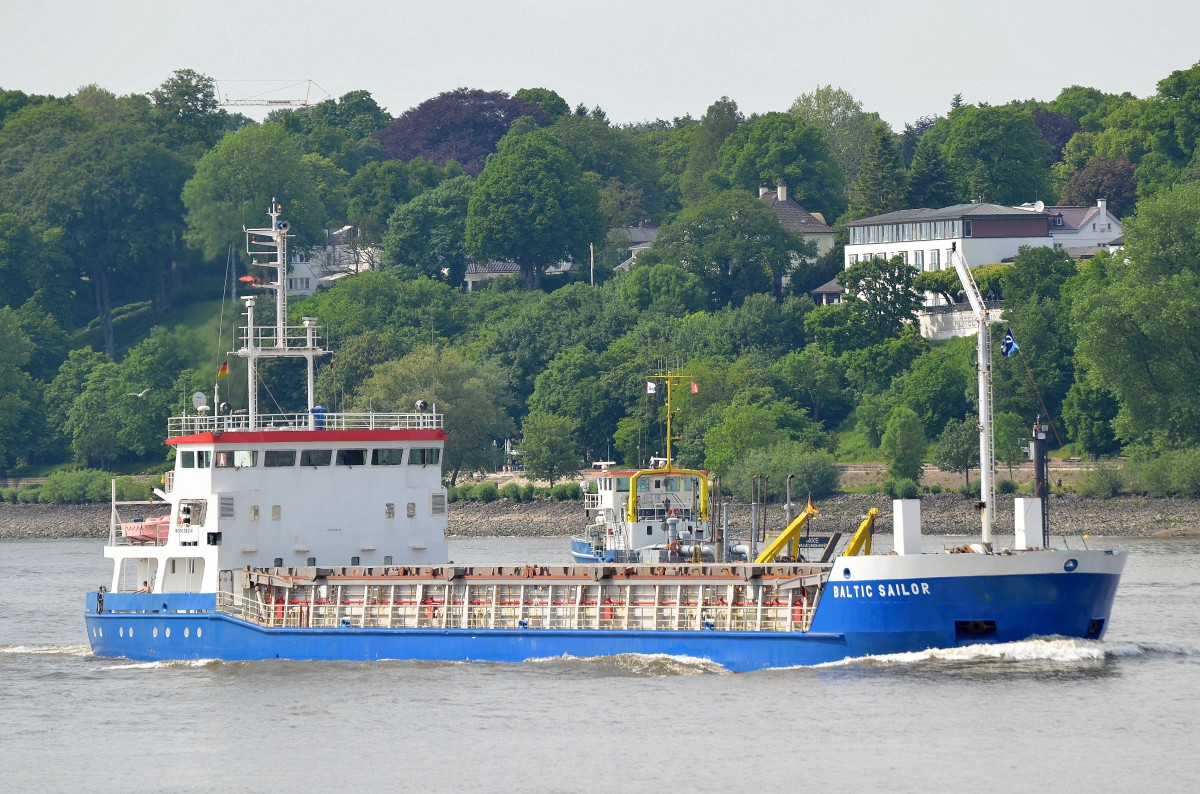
(320, 535)
(660, 514)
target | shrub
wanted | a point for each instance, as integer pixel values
(511, 492)
(902, 488)
(968, 491)
(935, 489)
(29, 495)
(1104, 481)
(452, 494)
(527, 492)
(566, 492)
(1006, 486)
(485, 492)
(129, 490)
(77, 486)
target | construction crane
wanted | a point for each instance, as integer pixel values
(266, 93)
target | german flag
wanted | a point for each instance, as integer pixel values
(224, 370)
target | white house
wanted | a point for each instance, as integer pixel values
(341, 257)
(1080, 227)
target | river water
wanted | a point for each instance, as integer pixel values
(1060, 716)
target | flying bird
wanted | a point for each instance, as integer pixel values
(141, 393)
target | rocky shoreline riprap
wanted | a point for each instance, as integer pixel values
(941, 514)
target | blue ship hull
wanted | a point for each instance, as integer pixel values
(866, 618)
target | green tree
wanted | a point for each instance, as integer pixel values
(116, 197)
(545, 99)
(1008, 429)
(474, 399)
(427, 235)
(779, 147)
(997, 153)
(880, 185)
(19, 399)
(903, 444)
(664, 289)
(627, 175)
(1088, 414)
(880, 294)
(188, 113)
(533, 206)
(235, 182)
(549, 448)
(1137, 321)
(819, 383)
(846, 127)
(733, 244)
(719, 121)
(814, 473)
(957, 448)
(929, 181)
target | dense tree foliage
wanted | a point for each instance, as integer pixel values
(779, 147)
(463, 125)
(115, 211)
(733, 245)
(532, 205)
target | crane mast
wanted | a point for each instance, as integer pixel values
(987, 456)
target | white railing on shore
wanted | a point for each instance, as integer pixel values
(201, 423)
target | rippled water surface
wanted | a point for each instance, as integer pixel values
(1033, 716)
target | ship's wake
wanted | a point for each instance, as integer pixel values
(1019, 655)
(652, 665)
(47, 650)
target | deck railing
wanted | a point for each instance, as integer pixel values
(203, 423)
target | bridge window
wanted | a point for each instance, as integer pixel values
(316, 457)
(387, 457)
(187, 460)
(237, 458)
(352, 457)
(279, 458)
(424, 456)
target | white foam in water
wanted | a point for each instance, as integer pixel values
(657, 664)
(48, 650)
(164, 665)
(1061, 650)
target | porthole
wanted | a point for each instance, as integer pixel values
(131, 632)
(167, 632)
(155, 632)
(101, 631)
(121, 631)
(199, 632)
(187, 632)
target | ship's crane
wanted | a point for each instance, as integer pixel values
(268, 93)
(987, 459)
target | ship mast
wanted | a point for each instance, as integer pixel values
(983, 341)
(671, 381)
(268, 249)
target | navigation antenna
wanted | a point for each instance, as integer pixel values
(268, 249)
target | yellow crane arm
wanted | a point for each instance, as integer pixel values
(862, 538)
(791, 533)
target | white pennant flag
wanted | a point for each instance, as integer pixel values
(651, 387)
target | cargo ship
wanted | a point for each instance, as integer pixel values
(321, 535)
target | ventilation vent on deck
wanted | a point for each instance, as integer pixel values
(226, 506)
(439, 504)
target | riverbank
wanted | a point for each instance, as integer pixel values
(941, 514)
